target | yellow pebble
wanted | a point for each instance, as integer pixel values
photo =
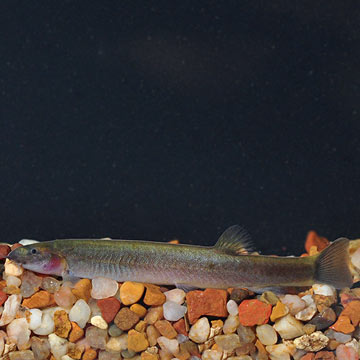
(131, 292)
(137, 341)
(278, 311)
(138, 309)
(141, 326)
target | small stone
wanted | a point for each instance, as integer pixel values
(278, 352)
(104, 355)
(62, 323)
(352, 310)
(30, 284)
(269, 297)
(180, 327)
(238, 295)
(64, 297)
(109, 307)
(294, 303)
(266, 334)
(228, 342)
(173, 311)
(126, 319)
(313, 342)
(325, 355)
(145, 355)
(200, 331)
(254, 312)
(3, 297)
(96, 338)
(34, 318)
(343, 325)
(12, 268)
(211, 302)
(58, 345)
(165, 329)
(152, 334)
(313, 239)
(246, 334)
(131, 292)
(11, 306)
(344, 352)
(114, 330)
(141, 326)
(99, 322)
(40, 299)
(232, 307)
(309, 328)
(175, 295)
(40, 347)
(18, 330)
(76, 332)
(307, 313)
(211, 355)
(89, 354)
(80, 313)
(323, 320)
(13, 281)
(21, 355)
(117, 343)
(50, 284)
(47, 325)
(82, 289)
(231, 324)
(288, 327)
(154, 314)
(138, 309)
(4, 251)
(341, 338)
(325, 290)
(322, 302)
(153, 295)
(75, 352)
(169, 345)
(127, 354)
(137, 341)
(103, 288)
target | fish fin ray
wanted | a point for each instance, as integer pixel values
(332, 265)
(186, 288)
(235, 240)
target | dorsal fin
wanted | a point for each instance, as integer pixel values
(234, 241)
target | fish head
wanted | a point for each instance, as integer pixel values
(39, 258)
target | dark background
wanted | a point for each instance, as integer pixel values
(161, 120)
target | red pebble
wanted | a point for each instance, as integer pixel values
(15, 246)
(180, 327)
(3, 297)
(324, 355)
(254, 312)
(308, 356)
(4, 251)
(109, 308)
(313, 239)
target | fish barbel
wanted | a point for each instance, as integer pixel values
(221, 266)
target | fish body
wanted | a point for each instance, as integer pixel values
(221, 266)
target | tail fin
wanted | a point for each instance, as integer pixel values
(332, 265)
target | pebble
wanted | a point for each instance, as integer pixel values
(254, 312)
(40, 299)
(138, 309)
(137, 341)
(210, 302)
(238, 295)
(4, 251)
(113, 330)
(3, 297)
(175, 295)
(64, 297)
(200, 331)
(58, 346)
(246, 334)
(76, 332)
(269, 297)
(153, 295)
(180, 327)
(309, 328)
(228, 342)
(30, 284)
(99, 322)
(40, 347)
(117, 343)
(294, 303)
(13, 281)
(266, 334)
(170, 345)
(165, 329)
(103, 288)
(343, 325)
(21, 355)
(325, 319)
(11, 268)
(278, 352)
(152, 334)
(131, 292)
(89, 354)
(34, 318)
(104, 355)
(308, 313)
(126, 319)
(231, 324)
(154, 314)
(352, 310)
(80, 313)
(313, 342)
(50, 284)
(173, 311)
(62, 323)
(11, 306)
(211, 355)
(82, 289)
(325, 355)
(344, 352)
(232, 307)
(109, 307)
(96, 338)
(288, 327)
(322, 289)
(47, 325)
(18, 330)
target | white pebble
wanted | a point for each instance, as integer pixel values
(12, 281)
(231, 324)
(308, 313)
(200, 331)
(11, 268)
(103, 288)
(232, 307)
(58, 346)
(211, 355)
(266, 334)
(80, 313)
(35, 318)
(66, 357)
(181, 338)
(117, 343)
(278, 352)
(11, 307)
(175, 295)
(288, 327)
(171, 345)
(173, 311)
(326, 290)
(24, 242)
(47, 325)
(355, 258)
(18, 330)
(99, 322)
(308, 299)
(294, 303)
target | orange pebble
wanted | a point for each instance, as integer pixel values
(82, 289)
(352, 311)
(76, 332)
(89, 354)
(343, 325)
(153, 295)
(3, 297)
(180, 327)
(254, 312)
(40, 299)
(313, 239)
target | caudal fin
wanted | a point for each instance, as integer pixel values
(332, 265)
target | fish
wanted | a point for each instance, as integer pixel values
(227, 264)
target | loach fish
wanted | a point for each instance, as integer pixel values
(224, 265)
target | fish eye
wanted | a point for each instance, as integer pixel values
(33, 251)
